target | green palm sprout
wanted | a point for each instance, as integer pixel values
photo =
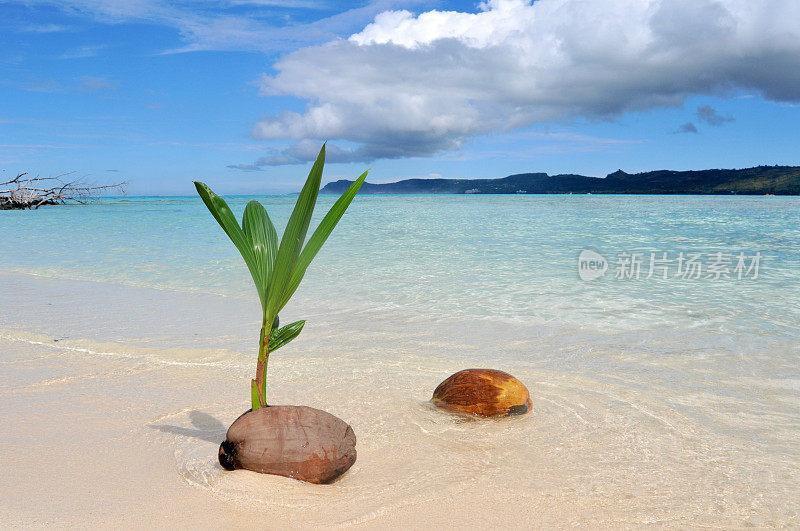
(278, 269)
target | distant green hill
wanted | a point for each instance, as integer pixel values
(778, 180)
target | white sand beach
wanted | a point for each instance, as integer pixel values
(115, 399)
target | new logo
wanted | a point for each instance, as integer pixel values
(591, 265)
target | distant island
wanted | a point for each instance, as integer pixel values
(777, 180)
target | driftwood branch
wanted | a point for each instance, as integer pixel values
(32, 192)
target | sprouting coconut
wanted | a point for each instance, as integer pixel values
(294, 441)
(300, 442)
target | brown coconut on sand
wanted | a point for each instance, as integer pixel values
(294, 441)
(483, 393)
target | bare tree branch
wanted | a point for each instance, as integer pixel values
(23, 192)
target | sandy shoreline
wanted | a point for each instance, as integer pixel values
(114, 400)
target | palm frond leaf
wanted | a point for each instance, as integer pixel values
(222, 213)
(319, 237)
(294, 236)
(263, 239)
(281, 336)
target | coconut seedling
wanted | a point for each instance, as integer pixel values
(277, 270)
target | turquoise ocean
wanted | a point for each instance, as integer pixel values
(508, 265)
(497, 258)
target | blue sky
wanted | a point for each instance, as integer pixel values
(241, 93)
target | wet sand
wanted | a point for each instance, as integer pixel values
(115, 399)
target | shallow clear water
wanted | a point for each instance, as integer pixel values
(663, 400)
(492, 257)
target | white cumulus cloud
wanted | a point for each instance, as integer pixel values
(413, 85)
